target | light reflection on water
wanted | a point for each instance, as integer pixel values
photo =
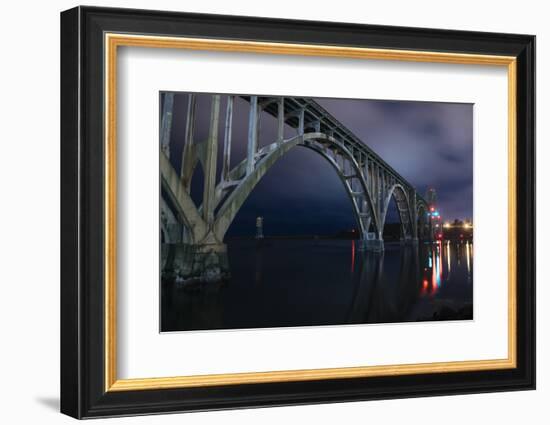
(277, 283)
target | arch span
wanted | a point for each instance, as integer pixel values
(330, 149)
(398, 192)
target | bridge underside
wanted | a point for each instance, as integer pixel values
(193, 235)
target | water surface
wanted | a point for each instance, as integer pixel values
(289, 282)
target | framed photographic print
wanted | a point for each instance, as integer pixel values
(262, 212)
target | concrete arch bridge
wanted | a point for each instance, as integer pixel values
(193, 234)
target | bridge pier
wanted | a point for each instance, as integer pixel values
(195, 264)
(409, 241)
(372, 245)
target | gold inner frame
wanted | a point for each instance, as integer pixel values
(113, 41)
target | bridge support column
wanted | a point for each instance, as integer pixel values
(281, 120)
(189, 154)
(252, 145)
(166, 123)
(211, 156)
(226, 165)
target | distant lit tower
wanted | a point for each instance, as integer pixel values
(259, 227)
(436, 226)
(431, 197)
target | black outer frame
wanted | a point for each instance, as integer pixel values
(82, 212)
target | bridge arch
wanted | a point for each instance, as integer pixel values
(180, 206)
(398, 192)
(368, 180)
(361, 198)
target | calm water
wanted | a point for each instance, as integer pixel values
(278, 283)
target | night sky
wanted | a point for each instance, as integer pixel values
(429, 144)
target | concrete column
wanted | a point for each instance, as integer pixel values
(371, 177)
(382, 189)
(377, 185)
(211, 154)
(186, 160)
(372, 183)
(378, 190)
(227, 138)
(252, 134)
(301, 123)
(414, 214)
(381, 186)
(368, 175)
(317, 126)
(258, 125)
(281, 119)
(166, 123)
